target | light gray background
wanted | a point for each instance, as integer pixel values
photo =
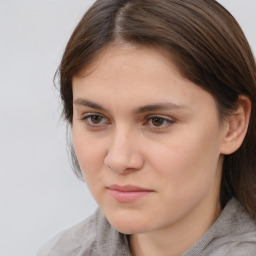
(39, 194)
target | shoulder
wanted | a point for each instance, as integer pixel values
(233, 233)
(92, 236)
(72, 239)
(233, 245)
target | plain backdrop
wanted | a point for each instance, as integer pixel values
(39, 194)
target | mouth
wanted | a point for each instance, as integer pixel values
(127, 193)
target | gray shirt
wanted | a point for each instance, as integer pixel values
(233, 233)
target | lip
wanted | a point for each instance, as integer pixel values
(127, 193)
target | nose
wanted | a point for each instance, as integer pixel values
(123, 153)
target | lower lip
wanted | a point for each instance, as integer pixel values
(127, 196)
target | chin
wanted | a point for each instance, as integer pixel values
(128, 228)
(128, 223)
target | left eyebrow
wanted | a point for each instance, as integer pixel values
(160, 106)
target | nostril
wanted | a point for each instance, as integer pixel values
(123, 155)
(109, 167)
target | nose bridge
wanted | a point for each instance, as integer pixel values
(123, 153)
(121, 137)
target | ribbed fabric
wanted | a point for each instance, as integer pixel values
(233, 234)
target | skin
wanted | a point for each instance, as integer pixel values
(178, 156)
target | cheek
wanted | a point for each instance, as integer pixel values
(90, 154)
(186, 172)
(187, 161)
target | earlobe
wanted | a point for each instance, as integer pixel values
(236, 126)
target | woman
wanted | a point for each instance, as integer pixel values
(160, 96)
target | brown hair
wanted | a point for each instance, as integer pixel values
(209, 49)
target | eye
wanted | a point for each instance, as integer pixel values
(94, 120)
(159, 122)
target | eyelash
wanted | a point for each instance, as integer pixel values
(87, 117)
(167, 121)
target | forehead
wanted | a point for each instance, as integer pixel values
(120, 57)
(132, 75)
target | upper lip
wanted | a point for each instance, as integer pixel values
(127, 188)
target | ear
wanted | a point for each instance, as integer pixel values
(236, 126)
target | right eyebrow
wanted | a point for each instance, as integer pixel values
(88, 103)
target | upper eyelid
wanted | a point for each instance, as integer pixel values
(146, 117)
(161, 116)
(169, 121)
(86, 116)
(91, 114)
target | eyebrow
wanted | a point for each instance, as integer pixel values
(160, 106)
(139, 110)
(88, 103)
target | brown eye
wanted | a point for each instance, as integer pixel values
(96, 119)
(158, 121)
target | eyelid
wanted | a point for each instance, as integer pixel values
(169, 121)
(86, 116)
(89, 114)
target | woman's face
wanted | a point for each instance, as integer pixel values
(147, 140)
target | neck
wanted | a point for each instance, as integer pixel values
(176, 238)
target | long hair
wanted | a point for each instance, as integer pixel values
(206, 44)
